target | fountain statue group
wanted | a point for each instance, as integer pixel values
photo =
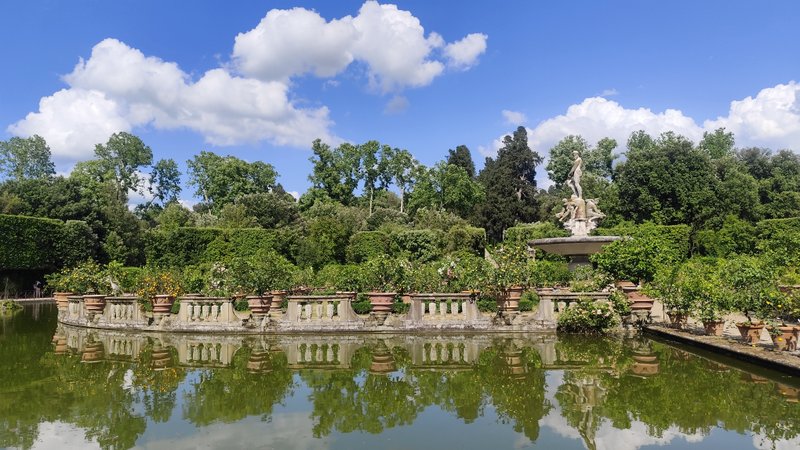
(578, 215)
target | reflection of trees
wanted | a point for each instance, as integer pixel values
(687, 392)
(244, 389)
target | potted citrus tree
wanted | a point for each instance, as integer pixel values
(158, 291)
(510, 278)
(382, 277)
(751, 287)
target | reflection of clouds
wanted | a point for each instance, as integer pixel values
(763, 443)
(291, 431)
(63, 436)
(608, 437)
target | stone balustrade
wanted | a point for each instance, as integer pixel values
(320, 309)
(75, 308)
(438, 308)
(124, 311)
(207, 311)
(552, 301)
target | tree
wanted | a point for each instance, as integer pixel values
(448, 187)
(509, 181)
(375, 167)
(26, 158)
(462, 157)
(120, 161)
(165, 181)
(561, 158)
(401, 168)
(271, 209)
(668, 181)
(222, 179)
(336, 171)
(717, 144)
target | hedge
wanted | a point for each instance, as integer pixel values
(35, 243)
(672, 240)
(185, 246)
(519, 235)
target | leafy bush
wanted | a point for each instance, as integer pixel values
(77, 243)
(736, 237)
(779, 240)
(340, 277)
(544, 273)
(159, 282)
(86, 278)
(644, 248)
(386, 216)
(29, 242)
(520, 235)
(528, 301)
(487, 304)
(586, 316)
(367, 244)
(751, 283)
(417, 245)
(385, 274)
(466, 239)
(362, 305)
(261, 272)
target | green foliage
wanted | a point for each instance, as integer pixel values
(528, 301)
(85, 278)
(509, 181)
(779, 240)
(544, 273)
(271, 209)
(26, 158)
(642, 250)
(362, 305)
(586, 316)
(385, 274)
(221, 180)
(417, 245)
(261, 272)
(341, 277)
(30, 242)
(462, 157)
(179, 247)
(512, 269)
(735, 237)
(465, 239)
(520, 235)
(447, 187)
(487, 304)
(367, 244)
(751, 284)
(382, 217)
(436, 219)
(698, 289)
(165, 181)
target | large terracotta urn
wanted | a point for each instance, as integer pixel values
(94, 304)
(509, 301)
(259, 305)
(381, 303)
(62, 299)
(714, 327)
(162, 304)
(751, 333)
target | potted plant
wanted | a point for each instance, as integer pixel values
(701, 285)
(89, 281)
(665, 287)
(158, 290)
(510, 278)
(62, 285)
(382, 276)
(751, 286)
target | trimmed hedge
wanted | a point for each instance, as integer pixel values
(519, 235)
(35, 243)
(187, 246)
(367, 244)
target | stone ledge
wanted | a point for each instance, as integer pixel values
(756, 354)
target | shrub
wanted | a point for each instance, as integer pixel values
(417, 245)
(86, 278)
(779, 240)
(365, 245)
(528, 301)
(77, 243)
(519, 235)
(545, 273)
(159, 282)
(386, 216)
(586, 316)
(750, 280)
(643, 249)
(340, 277)
(466, 239)
(29, 242)
(487, 304)
(362, 304)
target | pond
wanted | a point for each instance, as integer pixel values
(64, 387)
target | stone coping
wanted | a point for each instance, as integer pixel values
(782, 361)
(573, 245)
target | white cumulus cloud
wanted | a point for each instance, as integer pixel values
(515, 118)
(119, 88)
(464, 54)
(391, 43)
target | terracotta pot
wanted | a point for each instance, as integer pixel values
(382, 361)
(639, 301)
(277, 299)
(751, 334)
(162, 304)
(259, 304)
(714, 327)
(258, 362)
(509, 301)
(786, 339)
(162, 358)
(678, 319)
(94, 304)
(381, 301)
(62, 299)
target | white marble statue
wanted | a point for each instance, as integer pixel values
(578, 215)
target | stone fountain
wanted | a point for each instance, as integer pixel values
(580, 217)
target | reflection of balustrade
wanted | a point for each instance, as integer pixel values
(437, 353)
(205, 353)
(459, 307)
(322, 355)
(207, 311)
(320, 309)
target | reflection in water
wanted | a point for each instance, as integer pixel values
(115, 389)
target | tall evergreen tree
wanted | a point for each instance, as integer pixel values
(510, 186)
(462, 157)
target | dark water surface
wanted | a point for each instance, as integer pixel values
(74, 388)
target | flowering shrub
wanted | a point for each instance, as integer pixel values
(159, 283)
(86, 278)
(587, 317)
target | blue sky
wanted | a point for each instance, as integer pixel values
(421, 75)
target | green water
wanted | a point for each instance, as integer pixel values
(72, 388)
